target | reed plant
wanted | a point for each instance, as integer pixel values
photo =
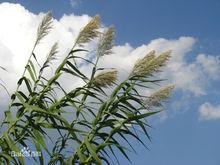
(105, 113)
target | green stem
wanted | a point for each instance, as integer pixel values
(84, 98)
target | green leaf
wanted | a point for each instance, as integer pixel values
(8, 157)
(40, 140)
(31, 73)
(38, 149)
(92, 150)
(138, 117)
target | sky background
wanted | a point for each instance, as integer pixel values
(188, 131)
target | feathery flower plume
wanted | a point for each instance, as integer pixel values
(51, 56)
(160, 95)
(89, 31)
(44, 27)
(106, 42)
(105, 79)
(150, 64)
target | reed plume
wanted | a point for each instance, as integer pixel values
(156, 98)
(105, 79)
(50, 57)
(44, 27)
(89, 32)
(150, 64)
(106, 42)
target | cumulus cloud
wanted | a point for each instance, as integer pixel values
(18, 33)
(210, 65)
(208, 111)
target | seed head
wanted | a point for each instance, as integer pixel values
(156, 98)
(105, 79)
(44, 27)
(51, 56)
(150, 64)
(89, 32)
(106, 42)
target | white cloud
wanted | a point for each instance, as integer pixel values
(208, 111)
(210, 65)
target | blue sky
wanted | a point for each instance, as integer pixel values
(188, 133)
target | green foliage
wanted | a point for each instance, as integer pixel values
(89, 122)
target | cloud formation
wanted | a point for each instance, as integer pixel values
(210, 65)
(208, 111)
